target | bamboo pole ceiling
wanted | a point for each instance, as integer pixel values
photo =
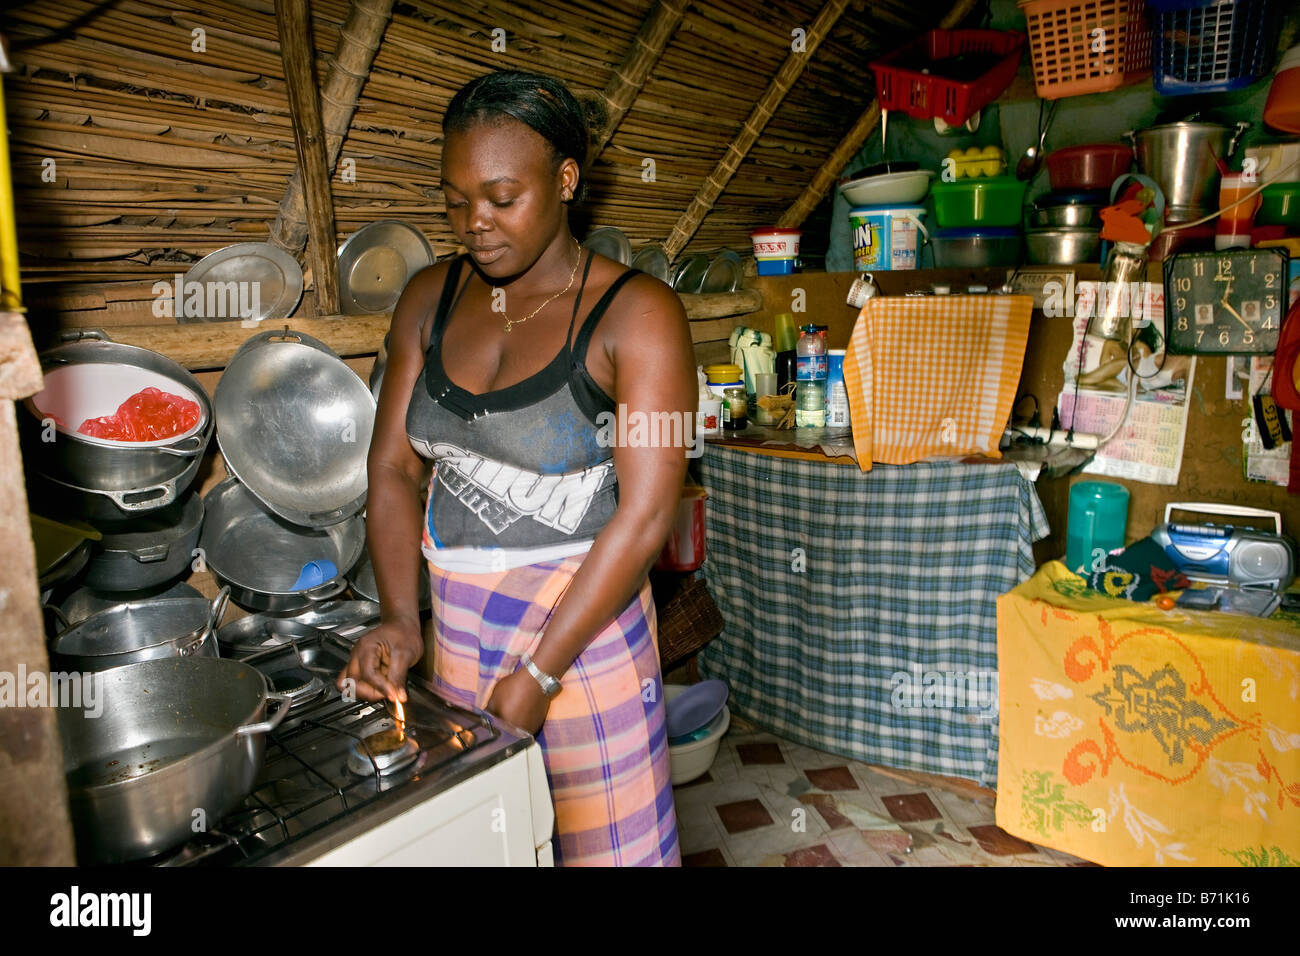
(164, 153)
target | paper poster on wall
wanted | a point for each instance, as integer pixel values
(1149, 445)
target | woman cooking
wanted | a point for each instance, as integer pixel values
(538, 536)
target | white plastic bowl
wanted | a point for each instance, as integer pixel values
(691, 760)
(888, 188)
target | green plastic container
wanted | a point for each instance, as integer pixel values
(1279, 205)
(992, 201)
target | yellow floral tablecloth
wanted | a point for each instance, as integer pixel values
(1132, 736)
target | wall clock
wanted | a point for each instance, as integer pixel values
(1225, 303)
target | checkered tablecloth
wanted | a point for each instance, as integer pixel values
(860, 608)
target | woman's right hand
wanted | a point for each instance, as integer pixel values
(380, 660)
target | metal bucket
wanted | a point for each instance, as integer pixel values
(1181, 158)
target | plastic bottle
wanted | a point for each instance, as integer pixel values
(837, 394)
(810, 398)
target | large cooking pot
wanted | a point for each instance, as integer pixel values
(1181, 158)
(149, 550)
(89, 377)
(84, 602)
(294, 427)
(144, 631)
(261, 556)
(176, 743)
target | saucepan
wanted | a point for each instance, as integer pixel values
(141, 631)
(168, 746)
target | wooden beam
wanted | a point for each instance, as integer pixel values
(848, 147)
(350, 66)
(293, 19)
(210, 345)
(630, 76)
(763, 111)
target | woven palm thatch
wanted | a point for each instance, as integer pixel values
(157, 149)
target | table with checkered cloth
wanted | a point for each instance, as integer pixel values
(857, 603)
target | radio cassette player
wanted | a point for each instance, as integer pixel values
(1227, 555)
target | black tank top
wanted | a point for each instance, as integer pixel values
(521, 466)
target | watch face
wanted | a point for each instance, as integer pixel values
(1225, 303)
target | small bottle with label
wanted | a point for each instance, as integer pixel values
(737, 404)
(837, 394)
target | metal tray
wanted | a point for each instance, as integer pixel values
(376, 262)
(276, 274)
(689, 273)
(724, 273)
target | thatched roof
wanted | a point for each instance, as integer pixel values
(164, 153)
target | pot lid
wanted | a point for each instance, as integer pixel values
(609, 242)
(376, 262)
(268, 284)
(651, 258)
(724, 273)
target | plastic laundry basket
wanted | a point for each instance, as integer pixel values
(1212, 46)
(1087, 46)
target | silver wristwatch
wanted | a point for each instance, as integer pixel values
(550, 686)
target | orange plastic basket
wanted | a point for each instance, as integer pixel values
(1087, 46)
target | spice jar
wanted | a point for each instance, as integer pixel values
(737, 408)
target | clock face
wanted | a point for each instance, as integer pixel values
(1225, 303)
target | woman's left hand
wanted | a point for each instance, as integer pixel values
(518, 699)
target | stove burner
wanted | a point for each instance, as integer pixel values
(390, 753)
(301, 685)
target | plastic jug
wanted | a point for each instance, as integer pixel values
(1098, 515)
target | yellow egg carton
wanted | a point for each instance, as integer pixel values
(975, 162)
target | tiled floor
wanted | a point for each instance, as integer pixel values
(770, 802)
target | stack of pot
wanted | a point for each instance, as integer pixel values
(294, 426)
(136, 494)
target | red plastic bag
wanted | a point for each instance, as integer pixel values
(148, 415)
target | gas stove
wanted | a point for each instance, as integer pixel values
(335, 770)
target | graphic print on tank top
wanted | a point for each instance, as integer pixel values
(499, 494)
(521, 466)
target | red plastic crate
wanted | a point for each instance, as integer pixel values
(902, 86)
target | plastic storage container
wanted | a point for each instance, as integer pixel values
(1212, 46)
(928, 78)
(887, 238)
(1070, 55)
(995, 201)
(1279, 205)
(1083, 168)
(976, 248)
(776, 250)
(1097, 518)
(1282, 109)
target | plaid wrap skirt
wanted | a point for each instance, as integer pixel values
(604, 742)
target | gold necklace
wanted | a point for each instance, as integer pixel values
(510, 323)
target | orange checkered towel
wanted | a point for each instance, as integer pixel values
(934, 376)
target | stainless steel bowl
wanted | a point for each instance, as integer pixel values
(294, 425)
(144, 631)
(1062, 247)
(260, 555)
(1064, 215)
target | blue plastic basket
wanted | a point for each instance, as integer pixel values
(1212, 46)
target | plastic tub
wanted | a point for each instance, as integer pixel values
(1282, 109)
(1088, 167)
(691, 760)
(1212, 46)
(887, 238)
(975, 248)
(1279, 205)
(995, 201)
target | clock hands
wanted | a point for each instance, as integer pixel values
(1235, 314)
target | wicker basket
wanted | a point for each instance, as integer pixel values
(687, 621)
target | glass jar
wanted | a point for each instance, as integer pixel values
(737, 408)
